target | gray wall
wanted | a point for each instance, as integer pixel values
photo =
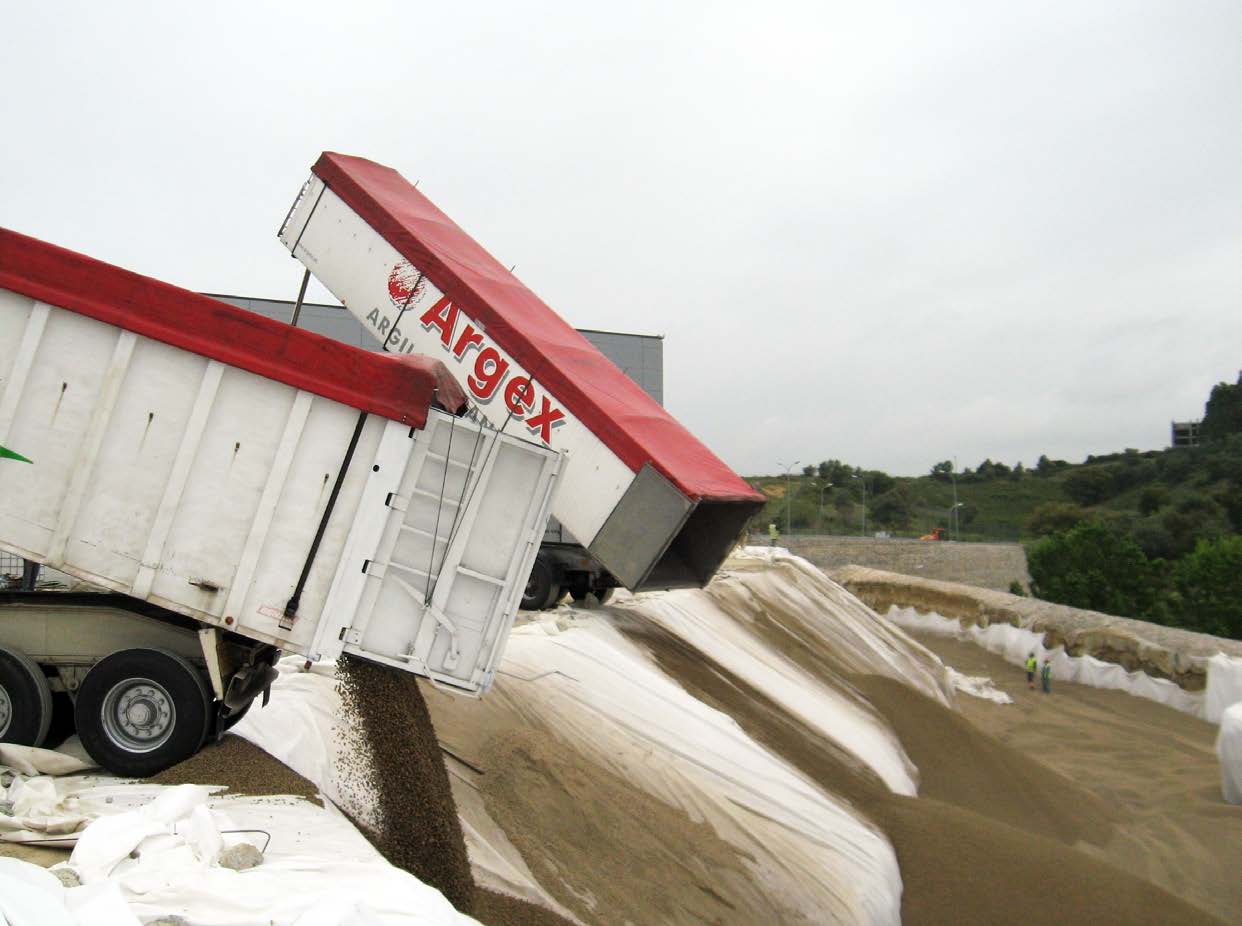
(985, 565)
(640, 356)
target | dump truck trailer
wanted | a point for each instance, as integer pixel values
(646, 498)
(563, 566)
(232, 487)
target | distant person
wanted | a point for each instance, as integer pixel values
(773, 533)
(1045, 676)
(1031, 665)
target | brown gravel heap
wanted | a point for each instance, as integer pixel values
(241, 767)
(398, 785)
(994, 836)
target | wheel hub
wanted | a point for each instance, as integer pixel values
(138, 715)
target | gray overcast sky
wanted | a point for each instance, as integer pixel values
(890, 233)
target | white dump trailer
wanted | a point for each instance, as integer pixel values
(646, 498)
(238, 487)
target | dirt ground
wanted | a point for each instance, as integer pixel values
(1153, 768)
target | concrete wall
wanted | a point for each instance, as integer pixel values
(1162, 652)
(985, 565)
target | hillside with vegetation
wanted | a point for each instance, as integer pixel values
(1155, 535)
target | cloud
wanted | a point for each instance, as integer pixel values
(891, 233)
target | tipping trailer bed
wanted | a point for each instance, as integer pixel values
(268, 484)
(646, 498)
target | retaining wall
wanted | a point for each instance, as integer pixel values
(985, 565)
(1162, 652)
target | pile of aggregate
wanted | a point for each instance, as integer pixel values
(395, 784)
(397, 791)
(496, 909)
(240, 766)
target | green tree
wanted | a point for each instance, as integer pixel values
(1223, 414)
(1092, 567)
(1209, 584)
(1051, 517)
(894, 508)
(1089, 485)
(878, 482)
(942, 471)
(1152, 499)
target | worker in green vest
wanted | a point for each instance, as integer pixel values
(1031, 665)
(773, 533)
(1045, 676)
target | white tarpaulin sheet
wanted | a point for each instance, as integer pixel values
(1014, 643)
(1224, 686)
(1229, 751)
(149, 850)
(584, 680)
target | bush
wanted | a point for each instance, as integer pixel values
(1092, 567)
(893, 509)
(1223, 414)
(1208, 581)
(1051, 517)
(1155, 540)
(1090, 485)
(1152, 499)
(1015, 588)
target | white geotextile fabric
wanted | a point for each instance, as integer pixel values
(149, 850)
(978, 686)
(1229, 751)
(693, 616)
(833, 618)
(1224, 686)
(580, 677)
(1014, 643)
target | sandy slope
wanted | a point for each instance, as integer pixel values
(1155, 768)
(1082, 806)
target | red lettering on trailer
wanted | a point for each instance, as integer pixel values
(490, 369)
(519, 396)
(469, 338)
(489, 372)
(545, 420)
(442, 315)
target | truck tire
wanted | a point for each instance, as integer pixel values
(541, 588)
(141, 710)
(25, 699)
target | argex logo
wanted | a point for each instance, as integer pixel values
(490, 374)
(406, 285)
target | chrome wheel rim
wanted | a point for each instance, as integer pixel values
(6, 712)
(138, 715)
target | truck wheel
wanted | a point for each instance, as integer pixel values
(25, 699)
(142, 710)
(541, 590)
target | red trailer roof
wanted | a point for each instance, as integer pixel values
(632, 424)
(398, 387)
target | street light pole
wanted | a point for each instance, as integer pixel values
(822, 489)
(953, 476)
(788, 497)
(862, 480)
